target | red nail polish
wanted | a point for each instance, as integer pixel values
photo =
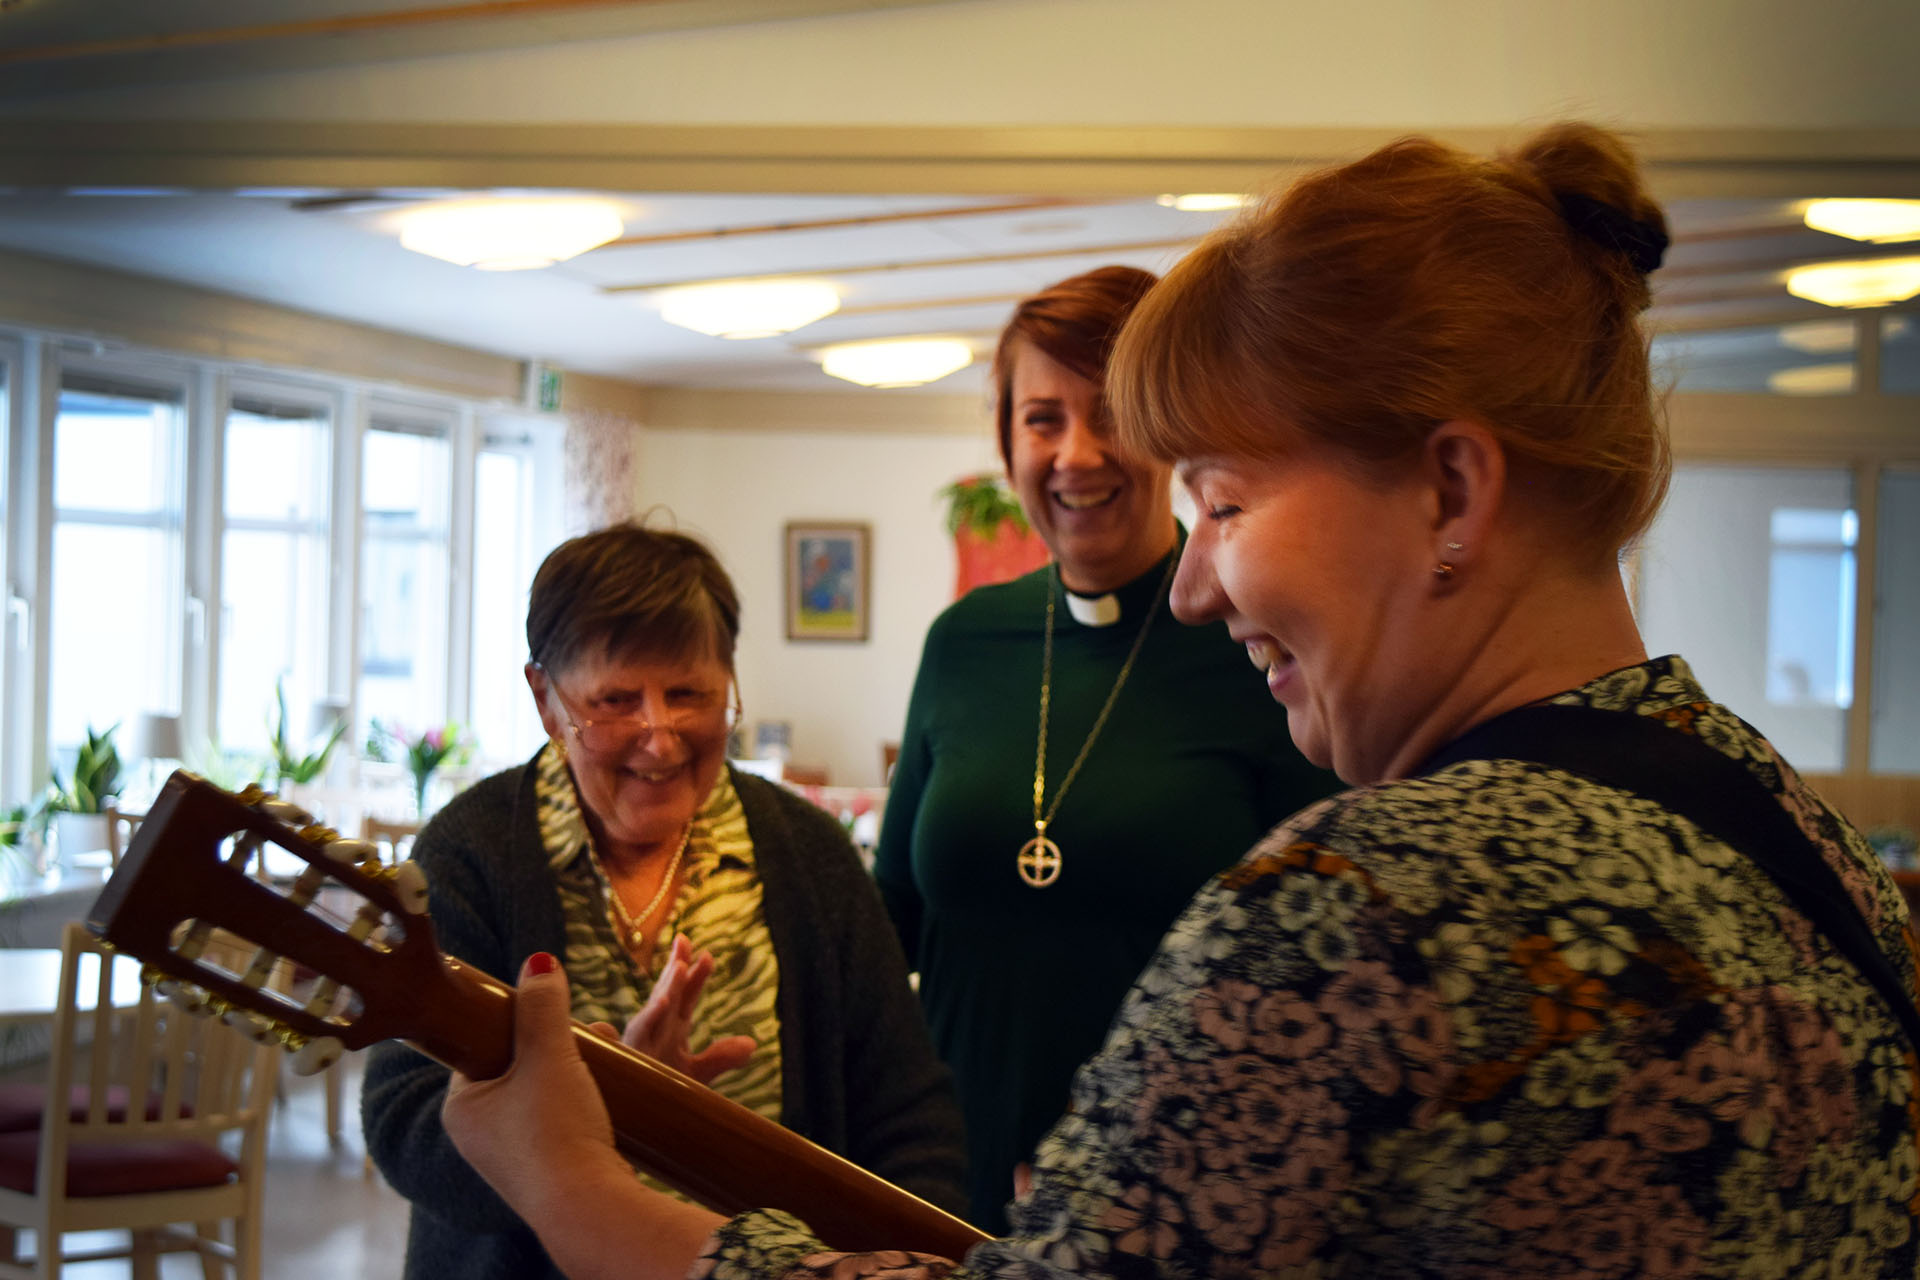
(540, 962)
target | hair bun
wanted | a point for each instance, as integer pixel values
(1595, 182)
(1644, 243)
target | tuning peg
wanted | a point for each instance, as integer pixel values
(291, 814)
(319, 833)
(249, 1024)
(315, 1056)
(351, 850)
(182, 995)
(410, 883)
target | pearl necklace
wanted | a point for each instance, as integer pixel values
(632, 929)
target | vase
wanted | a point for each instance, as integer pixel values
(75, 834)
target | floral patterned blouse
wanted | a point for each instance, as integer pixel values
(1497, 1021)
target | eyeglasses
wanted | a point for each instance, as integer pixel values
(612, 734)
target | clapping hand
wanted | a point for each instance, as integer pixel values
(663, 1029)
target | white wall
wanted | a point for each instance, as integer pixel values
(1394, 63)
(738, 488)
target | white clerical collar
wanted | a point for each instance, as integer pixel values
(1094, 611)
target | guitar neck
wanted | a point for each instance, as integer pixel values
(709, 1148)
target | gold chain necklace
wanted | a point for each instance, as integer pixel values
(632, 929)
(1039, 860)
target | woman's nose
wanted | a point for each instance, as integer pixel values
(1082, 447)
(1196, 596)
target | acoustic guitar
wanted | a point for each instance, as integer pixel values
(380, 976)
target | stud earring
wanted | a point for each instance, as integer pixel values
(1456, 546)
(1443, 571)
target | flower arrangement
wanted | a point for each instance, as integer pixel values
(422, 752)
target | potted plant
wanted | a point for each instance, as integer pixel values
(75, 811)
(14, 826)
(991, 538)
(291, 764)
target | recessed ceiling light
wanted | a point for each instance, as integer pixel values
(1204, 201)
(1812, 380)
(510, 233)
(1881, 221)
(1820, 337)
(896, 362)
(1873, 283)
(749, 308)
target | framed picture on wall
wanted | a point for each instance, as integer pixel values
(827, 577)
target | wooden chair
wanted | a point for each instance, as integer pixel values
(105, 1161)
(117, 838)
(395, 837)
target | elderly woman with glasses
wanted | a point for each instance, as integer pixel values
(629, 849)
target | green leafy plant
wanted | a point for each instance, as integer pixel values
(14, 825)
(96, 779)
(289, 764)
(982, 503)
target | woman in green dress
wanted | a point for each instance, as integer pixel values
(1075, 762)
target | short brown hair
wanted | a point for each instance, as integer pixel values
(1369, 303)
(1075, 322)
(631, 590)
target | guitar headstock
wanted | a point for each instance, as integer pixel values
(361, 928)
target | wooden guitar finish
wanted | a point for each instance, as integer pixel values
(187, 870)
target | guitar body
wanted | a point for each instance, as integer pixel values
(382, 977)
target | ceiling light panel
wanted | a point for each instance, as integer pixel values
(1878, 221)
(510, 233)
(749, 308)
(897, 362)
(1870, 283)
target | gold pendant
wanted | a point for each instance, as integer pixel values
(1039, 862)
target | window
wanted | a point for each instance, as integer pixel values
(1742, 553)
(512, 532)
(1810, 582)
(273, 563)
(117, 570)
(1896, 633)
(1804, 358)
(405, 481)
(1900, 354)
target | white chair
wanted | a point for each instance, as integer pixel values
(153, 1092)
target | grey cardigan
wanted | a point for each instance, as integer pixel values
(860, 1076)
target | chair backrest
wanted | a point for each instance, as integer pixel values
(396, 835)
(120, 828)
(148, 1070)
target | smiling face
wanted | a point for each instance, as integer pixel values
(646, 738)
(1106, 517)
(1327, 579)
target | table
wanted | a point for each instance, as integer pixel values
(30, 983)
(35, 908)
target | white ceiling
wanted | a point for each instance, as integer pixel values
(946, 265)
(944, 274)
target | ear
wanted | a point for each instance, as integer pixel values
(550, 719)
(1466, 468)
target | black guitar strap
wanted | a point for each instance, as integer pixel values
(1716, 793)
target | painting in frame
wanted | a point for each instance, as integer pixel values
(828, 573)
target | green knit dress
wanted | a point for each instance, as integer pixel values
(1019, 984)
